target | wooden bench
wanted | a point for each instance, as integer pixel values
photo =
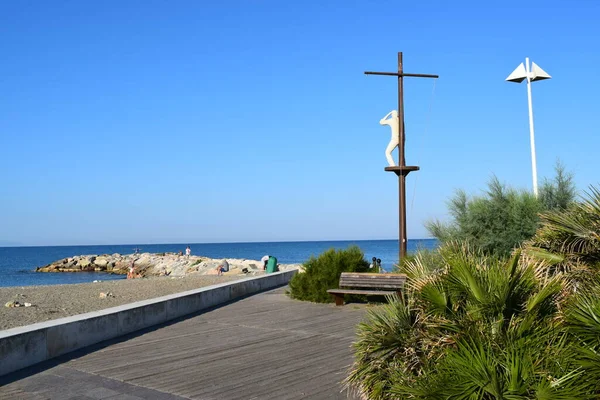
(368, 284)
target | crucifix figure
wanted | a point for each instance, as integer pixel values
(395, 120)
(392, 120)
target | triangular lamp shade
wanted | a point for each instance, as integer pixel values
(537, 74)
(519, 74)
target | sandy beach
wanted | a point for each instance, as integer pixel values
(58, 301)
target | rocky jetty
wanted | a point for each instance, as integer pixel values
(156, 264)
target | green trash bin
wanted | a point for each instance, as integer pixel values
(272, 265)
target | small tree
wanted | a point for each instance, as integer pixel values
(323, 273)
(503, 217)
(495, 223)
(560, 192)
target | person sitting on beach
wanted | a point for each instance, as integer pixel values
(223, 267)
(265, 260)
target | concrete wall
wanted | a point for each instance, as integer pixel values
(24, 346)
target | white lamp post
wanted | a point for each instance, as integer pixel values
(532, 74)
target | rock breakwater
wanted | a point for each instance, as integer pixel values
(156, 264)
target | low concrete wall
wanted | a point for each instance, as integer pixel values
(28, 345)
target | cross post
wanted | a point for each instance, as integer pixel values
(402, 170)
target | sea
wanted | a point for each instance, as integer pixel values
(18, 264)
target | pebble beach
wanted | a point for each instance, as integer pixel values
(58, 301)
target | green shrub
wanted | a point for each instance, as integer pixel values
(323, 273)
(503, 217)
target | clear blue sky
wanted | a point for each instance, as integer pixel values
(205, 121)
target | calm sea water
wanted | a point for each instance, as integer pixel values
(17, 264)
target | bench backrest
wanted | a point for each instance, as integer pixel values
(371, 280)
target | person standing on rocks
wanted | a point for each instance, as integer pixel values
(188, 251)
(131, 272)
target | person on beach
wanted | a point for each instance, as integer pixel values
(265, 260)
(131, 272)
(188, 251)
(223, 267)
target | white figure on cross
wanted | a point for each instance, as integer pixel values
(391, 119)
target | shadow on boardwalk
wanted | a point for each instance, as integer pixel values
(262, 347)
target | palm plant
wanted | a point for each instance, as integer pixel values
(582, 319)
(470, 327)
(569, 239)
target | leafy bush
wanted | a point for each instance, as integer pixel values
(477, 327)
(323, 273)
(503, 217)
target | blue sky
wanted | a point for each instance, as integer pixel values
(196, 121)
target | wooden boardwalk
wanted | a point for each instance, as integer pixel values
(265, 346)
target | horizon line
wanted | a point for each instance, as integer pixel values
(192, 243)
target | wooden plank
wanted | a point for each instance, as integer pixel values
(372, 279)
(371, 274)
(380, 280)
(370, 285)
(361, 279)
(361, 292)
(265, 346)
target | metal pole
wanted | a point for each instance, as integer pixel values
(531, 134)
(402, 163)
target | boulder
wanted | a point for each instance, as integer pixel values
(101, 262)
(70, 264)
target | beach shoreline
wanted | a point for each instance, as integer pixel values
(51, 302)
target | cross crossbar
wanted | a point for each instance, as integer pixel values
(401, 74)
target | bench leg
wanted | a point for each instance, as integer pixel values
(339, 299)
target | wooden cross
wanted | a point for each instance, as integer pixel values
(402, 169)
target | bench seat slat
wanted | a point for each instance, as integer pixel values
(363, 292)
(374, 275)
(374, 281)
(369, 275)
(373, 284)
(352, 278)
(365, 286)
